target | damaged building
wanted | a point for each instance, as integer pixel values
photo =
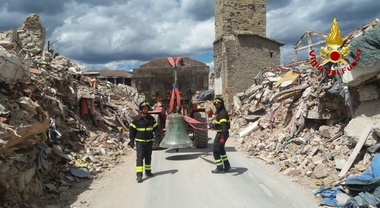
(56, 127)
(241, 47)
(320, 128)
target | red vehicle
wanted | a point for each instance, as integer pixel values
(194, 115)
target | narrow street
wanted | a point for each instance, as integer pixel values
(183, 179)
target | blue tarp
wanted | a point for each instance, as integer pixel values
(367, 185)
(375, 166)
(368, 180)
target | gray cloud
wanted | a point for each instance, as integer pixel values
(199, 10)
(129, 32)
(41, 6)
(290, 21)
(276, 4)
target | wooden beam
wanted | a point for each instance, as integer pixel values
(363, 137)
(307, 35)
(314, 44)
(25, 133)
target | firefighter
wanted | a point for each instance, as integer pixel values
(221, 126)
(141, 131)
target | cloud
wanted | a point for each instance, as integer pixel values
(123, 33)
(200, 10)
(291, 20)
(155, 28)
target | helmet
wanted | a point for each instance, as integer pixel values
(219, 100)
(145, 103)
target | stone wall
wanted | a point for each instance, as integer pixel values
(240, 58)
(241, 49)
(29, 37)
(240, 15)
(27, 41)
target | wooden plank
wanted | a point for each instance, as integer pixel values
(363, 137)
(25, 133)
(121, 123)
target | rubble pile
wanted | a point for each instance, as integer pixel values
(313, 126)
(57, 127)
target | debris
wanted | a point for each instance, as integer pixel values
(363, 136)
(54, 121)
(315, 123)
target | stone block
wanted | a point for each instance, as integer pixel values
(250, 128)
(368, 92)
(237, 103)
(376, 127)
(252, 90)
(368, 109)
(360, 74)
(355, 127)
(7, 44)
(321, 171)
(11, 68)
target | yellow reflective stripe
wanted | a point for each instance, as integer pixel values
(155, 124)
(221, 121)
(133, 126)
(139, 169)
(219, 162)
(224, 157)
(150, 128)
(144, 103)
(218, 130)
(143, 140)
(217, 100)
(148, 167)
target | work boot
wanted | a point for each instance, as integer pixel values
(139, 177)
(218, 170)
(149, 173)
(227, 166)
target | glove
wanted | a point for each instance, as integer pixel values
(131, 144)
(222, 140)
(212, 126)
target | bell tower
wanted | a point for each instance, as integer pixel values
(241, 48)
(247, 16)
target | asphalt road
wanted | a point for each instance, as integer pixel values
(183, 179)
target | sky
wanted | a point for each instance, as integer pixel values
(124, 34)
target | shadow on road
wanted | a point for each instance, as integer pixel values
(183, 157)
(173, 171)
(194, 149)
(237, 171)
(186, 150)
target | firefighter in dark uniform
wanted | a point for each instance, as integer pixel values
(221, 125)
(141, 131)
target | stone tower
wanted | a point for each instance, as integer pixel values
(241, 48)
(240, 15)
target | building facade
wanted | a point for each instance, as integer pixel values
(156, 78)
(113, 76)
(241, 48)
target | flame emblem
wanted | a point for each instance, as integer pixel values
(334, 52)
